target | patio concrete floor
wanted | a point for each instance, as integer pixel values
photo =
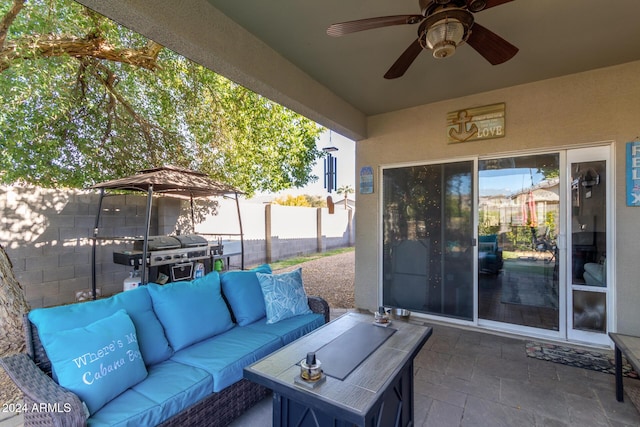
(470, 378)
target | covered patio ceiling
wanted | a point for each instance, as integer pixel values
(280, 49)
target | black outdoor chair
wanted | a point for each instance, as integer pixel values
(544, 243)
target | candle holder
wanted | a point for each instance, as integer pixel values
(380, 316)
(310, 368)
(310, 372)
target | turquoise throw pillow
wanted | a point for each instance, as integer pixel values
(98, 361)
(136, 302)
(191, 311)
(242, 290)
(284, 295)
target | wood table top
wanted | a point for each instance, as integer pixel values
(630, 346)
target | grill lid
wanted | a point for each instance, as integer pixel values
(157, 243)
(191, 240)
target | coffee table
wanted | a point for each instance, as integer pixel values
(377, 392)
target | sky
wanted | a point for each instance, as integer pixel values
(508, 181)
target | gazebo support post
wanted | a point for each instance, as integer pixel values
(93, 249)
(145, 244)
(241, 232)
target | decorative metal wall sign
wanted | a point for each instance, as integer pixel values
(633, 173)
(476, 123)
(366, 180)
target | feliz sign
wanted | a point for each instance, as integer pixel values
(633, 173)
(476, 123)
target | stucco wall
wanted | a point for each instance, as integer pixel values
(581, 109)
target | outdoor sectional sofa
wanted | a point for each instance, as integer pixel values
(169, 355)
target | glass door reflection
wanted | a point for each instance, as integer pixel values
(518, 225)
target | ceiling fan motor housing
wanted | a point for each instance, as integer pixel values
(476, 5)
(472, 5)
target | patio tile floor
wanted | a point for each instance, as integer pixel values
(472, 378)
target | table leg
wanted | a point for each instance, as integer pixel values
(277, 410)
(619, 386)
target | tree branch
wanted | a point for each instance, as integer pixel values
(108, 80)
(94, 47)
(8, 19)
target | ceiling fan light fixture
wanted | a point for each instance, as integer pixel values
(444, 36)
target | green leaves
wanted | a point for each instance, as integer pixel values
(73, 116)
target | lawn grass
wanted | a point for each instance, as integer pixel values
(284, 263)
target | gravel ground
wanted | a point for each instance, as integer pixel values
(331, 278)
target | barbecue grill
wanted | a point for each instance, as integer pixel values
(162, 252)
(165, 250)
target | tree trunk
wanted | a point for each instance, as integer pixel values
(12, 306)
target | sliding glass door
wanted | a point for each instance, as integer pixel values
(518, 228)
(428, 239)
(519, 243)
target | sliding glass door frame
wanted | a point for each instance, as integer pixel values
(602, 153)
(563, 252)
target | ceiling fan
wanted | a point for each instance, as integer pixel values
(444, 25)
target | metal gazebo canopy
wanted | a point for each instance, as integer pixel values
(170, 181)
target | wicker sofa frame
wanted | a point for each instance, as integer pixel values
(48, 404)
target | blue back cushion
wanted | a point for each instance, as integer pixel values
(137, 303)
(191, 311)
(242, 290)
(284, 295)
(97, 361)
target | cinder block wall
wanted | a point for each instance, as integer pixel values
(47, 235)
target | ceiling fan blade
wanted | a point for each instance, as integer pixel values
(404, 61)
(491, 46)
(340, 29)
(493, 3)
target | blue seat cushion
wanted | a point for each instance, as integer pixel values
(289, 329)
(169, 388)
(137, 303)
(242, 290)
(130, 409)
(175, 386)
(191, 311)
(225, 356)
